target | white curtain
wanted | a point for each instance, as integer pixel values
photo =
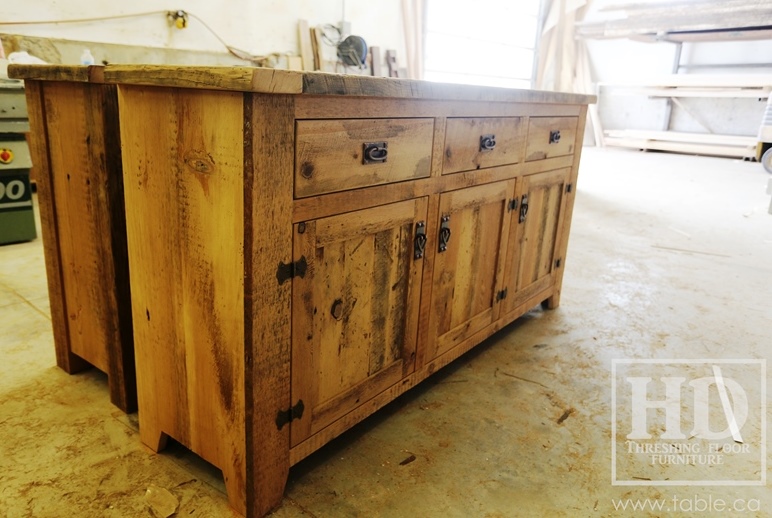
(414, 22)
(560, 54)
(564, 62)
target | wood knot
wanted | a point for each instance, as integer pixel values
(307, 170)
(199, 161)
(337, 309)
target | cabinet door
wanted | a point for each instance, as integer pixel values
(534, 234)
(468, 265)
(355, 310)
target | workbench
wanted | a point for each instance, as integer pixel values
(305, 247)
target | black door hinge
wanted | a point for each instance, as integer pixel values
(558, 262)
(569, 187)
(512, 205)
(501, 295)
(292, 413)
(290, 270)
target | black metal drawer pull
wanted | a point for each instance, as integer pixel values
(444, 233)
(375, 152)
(523, 207)
(554, 136)
(420, 240)
(487, 142)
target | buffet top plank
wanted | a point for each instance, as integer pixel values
(274, 81)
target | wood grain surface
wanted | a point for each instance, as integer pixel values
(225, 190)
(354, 327)
(79, 160)
(531, 251)
(268, 152)
(329, 154)
(266, 80)
(539, 144)
(462, 143)
(183, 156)
(67, 73)
(468, 275)
(39, 150)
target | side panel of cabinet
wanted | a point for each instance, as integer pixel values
(355, 310)
(468, 273)
(533, 235)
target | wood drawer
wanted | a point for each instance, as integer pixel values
(338, 155)
(465, 143)
(550, 137)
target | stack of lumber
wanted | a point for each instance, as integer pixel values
(754, 86)
(679, 142)
(699, 85)
(310, 46)
(681, 20)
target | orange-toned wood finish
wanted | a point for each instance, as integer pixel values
(531, 258)
(337, 155)
(283, 290)
(468, 265)
(474, 143)
(550, 137)
(268, 151)
(76, 151)
(189, 310)
(354, 331)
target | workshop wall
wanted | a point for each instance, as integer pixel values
(259, 27)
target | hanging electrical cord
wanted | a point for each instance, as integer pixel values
(241, 54)
(87, 20)
(179, 18)
(331, 35)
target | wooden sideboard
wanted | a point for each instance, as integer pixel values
(306, 247)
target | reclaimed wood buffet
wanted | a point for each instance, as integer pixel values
(305, 247)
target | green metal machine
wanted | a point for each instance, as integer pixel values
(17, 217)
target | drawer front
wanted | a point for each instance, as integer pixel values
(475, 143)
(338, 155)
(550, 137)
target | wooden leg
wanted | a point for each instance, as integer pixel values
(561, 246)
(154, 439)
(268, 497)
(236, 487)
(123, 388)
(67, 360)
(122, 375)
(268, 238)
(552, 302)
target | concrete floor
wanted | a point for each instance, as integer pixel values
(670, 258)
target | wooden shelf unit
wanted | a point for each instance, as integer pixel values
(673, 87)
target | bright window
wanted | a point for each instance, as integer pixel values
(483, 43)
